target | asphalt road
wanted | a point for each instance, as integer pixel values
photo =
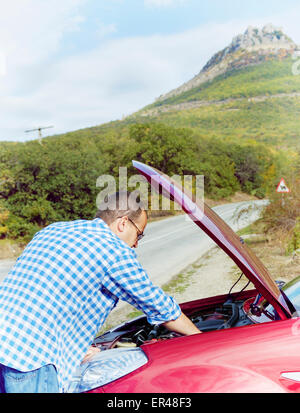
(173, 243)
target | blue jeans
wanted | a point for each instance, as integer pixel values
(42, 380)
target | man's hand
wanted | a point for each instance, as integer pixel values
(90, 354)
(182, 325)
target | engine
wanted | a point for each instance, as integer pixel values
(138, 331)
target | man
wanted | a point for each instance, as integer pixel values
(62, 288)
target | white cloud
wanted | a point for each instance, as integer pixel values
(31, 30)
(163, 3)
(31, 33)
(115, 79)
(106, 29)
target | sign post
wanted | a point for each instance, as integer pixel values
(282, 188)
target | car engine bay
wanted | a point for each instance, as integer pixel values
(216, 313)
(137, 332)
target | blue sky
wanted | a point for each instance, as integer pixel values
(79, 63)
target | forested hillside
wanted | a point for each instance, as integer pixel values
(260, 103)
(240, 130)
(57, 180)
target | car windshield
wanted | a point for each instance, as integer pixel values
(292, 291)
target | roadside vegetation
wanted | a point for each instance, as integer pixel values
(279, 224)
(56, 181)
(281, 218)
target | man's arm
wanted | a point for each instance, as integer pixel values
(182, 325)
(92, 351)
(128, 281)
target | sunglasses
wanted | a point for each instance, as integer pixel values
(140, 233)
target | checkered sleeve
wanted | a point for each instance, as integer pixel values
(127, 280)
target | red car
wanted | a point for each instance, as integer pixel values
(250, 340)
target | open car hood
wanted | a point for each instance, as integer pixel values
(222, 234)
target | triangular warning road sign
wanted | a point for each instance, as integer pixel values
(282, 187)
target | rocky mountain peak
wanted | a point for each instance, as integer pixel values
(255, 38)
(254, 46)
(269, 39)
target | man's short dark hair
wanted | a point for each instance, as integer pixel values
(118, 205)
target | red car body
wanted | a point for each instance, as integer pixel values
(245, 359)
(252, 338)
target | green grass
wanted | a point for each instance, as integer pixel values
(275, 121)
(246, 231)
(181, 281)
(271, 77)
(256, 232)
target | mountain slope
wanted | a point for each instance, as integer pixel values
(254, 93)
(248, 90)
(251, 48)
(270, 77)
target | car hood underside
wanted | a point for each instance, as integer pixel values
(222, 234)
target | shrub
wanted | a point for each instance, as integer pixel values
(294, 242)
(282, 215)
(18, 228)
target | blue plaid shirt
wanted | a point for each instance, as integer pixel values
(62, 288)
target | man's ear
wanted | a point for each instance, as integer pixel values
(121, 224)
